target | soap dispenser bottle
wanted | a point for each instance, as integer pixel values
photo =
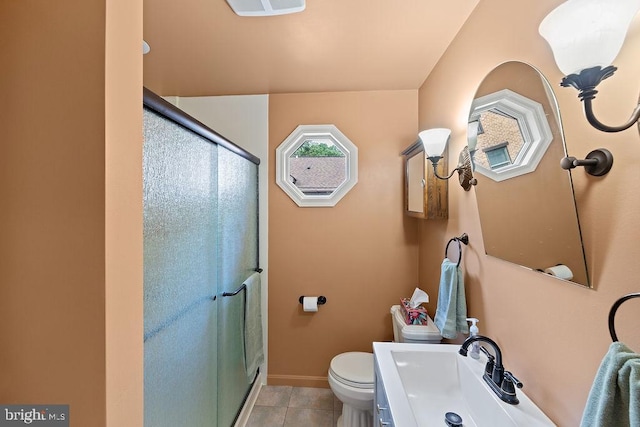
(473, 331)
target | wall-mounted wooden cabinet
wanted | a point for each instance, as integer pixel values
(425, 196)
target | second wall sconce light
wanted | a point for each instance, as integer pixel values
(435, 142)
(586, 36)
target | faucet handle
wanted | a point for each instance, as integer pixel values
(509, 383)
(488, 368)
(509, 376)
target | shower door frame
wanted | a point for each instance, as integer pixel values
(169, 111)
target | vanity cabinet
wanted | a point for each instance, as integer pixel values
(425, 196)
(381, 412)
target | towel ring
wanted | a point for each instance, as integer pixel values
(464, 238)
(612, 313)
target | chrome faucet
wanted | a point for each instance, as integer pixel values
(502, 382)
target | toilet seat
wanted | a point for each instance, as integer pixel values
(354, 369)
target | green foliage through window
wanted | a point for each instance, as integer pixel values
(311, 148)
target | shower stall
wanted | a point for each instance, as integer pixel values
(200, 246)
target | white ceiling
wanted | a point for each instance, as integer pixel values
(200, 47)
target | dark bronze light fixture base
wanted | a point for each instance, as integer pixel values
(465, 175)
(585, 82)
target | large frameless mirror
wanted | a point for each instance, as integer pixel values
(316, 165)
(525, 199)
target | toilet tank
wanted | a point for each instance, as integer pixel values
(426, 334)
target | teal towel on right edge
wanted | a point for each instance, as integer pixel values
(614, 399)
(451, 313)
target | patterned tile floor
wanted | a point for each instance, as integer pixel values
(280, 406)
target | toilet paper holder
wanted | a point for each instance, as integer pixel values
(321, 299)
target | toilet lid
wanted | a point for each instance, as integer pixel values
(354, 368)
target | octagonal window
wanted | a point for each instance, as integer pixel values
(512, 135)
(316, 165)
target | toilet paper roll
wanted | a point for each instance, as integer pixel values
(310, 304)
(560, 271)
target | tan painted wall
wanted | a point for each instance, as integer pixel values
(56, 260)
(553, 334)
(361, 254)
(123, 215)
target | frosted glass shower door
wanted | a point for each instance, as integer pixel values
(180, 276)
(237, 260)
(200, 245)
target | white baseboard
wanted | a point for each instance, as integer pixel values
(243, 418)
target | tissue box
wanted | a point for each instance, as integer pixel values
(413, 316)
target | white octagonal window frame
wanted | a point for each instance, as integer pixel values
(534, 128)
(289, 146)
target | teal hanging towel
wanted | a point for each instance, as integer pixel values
(451, 313)
(614, 399)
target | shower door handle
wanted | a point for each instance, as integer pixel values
(236, 292)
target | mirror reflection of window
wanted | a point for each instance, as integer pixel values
(498, 155)
(318, 167)
(508, 116)
(499, 139)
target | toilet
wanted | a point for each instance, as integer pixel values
(351, 380)
(351, 374)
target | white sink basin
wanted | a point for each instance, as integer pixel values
(425, 381)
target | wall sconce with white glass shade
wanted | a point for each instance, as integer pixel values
(435, 142)
(586, 36)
